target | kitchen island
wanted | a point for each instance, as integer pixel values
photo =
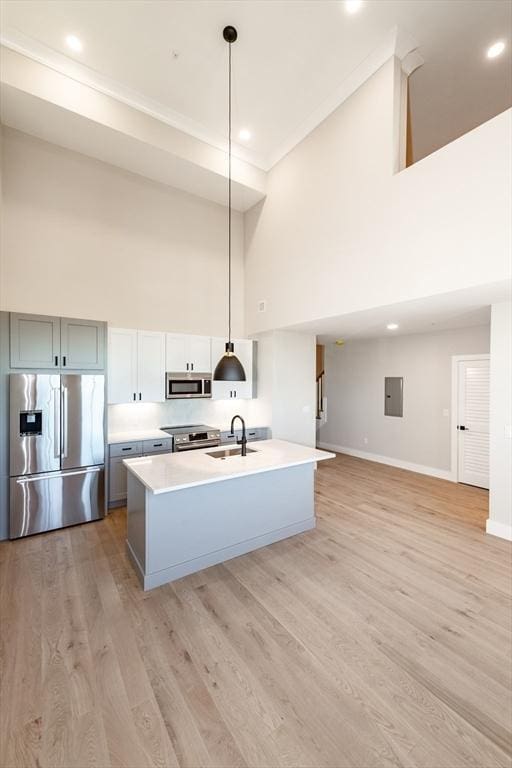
(190, 510)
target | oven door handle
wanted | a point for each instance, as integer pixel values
(197, 446)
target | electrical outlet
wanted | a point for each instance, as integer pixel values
(365, 440)
(262, 306)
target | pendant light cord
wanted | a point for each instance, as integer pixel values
(229, 202)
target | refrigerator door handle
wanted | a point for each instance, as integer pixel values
(23, 479)
(56, 423)
(64, 422)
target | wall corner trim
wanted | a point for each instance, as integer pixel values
(494, 528)
(441, 474)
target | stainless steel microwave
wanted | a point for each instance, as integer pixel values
(182, 385)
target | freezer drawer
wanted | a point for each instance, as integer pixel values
(55, 499)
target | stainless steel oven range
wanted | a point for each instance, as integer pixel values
(188, 437)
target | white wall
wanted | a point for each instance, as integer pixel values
(500, 500)
(286, 385)
(81, 238)
(40, 101)
(354, 388)
(339, 232)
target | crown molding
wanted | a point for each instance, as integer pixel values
(64, 65)
(398, 43)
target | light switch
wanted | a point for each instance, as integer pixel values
(446, 412)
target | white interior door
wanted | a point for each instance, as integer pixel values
(473, 422)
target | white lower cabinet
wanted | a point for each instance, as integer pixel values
(234, 390)
(136, 366)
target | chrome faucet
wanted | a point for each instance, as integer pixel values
(243, 441)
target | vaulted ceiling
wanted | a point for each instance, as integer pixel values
(292, 61)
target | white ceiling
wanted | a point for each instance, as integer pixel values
(291, 57)
(458, 309)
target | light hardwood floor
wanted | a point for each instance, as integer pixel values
(382, 638)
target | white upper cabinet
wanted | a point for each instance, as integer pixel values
(122, 365)
(187, 354)
(201, 353)
(176, 353)
(151, 366)
(138, 361)
(136, 366)
(234, 390)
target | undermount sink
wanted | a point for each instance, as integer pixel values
(227, 452)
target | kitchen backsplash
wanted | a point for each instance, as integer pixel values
(215, 413)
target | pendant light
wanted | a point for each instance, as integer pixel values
(229, 367)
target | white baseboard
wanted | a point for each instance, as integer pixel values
(442, 474)
(498, 529)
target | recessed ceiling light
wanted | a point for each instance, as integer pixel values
(353, 6)
(244, 135)
(495, 49)
(392, 326)
(73, 42)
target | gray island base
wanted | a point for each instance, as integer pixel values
(192, 525)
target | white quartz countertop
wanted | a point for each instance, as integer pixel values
(134, 435)
(175, 471)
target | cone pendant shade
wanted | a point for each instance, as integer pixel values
(229, 367)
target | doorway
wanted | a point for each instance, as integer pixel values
(470, 420)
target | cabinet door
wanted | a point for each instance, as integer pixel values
(221, 390)
(153, 447)
(151, 366)
(82, 344)
(117, 480)
(200, 353)
(234, 390)
(176, 353)
(35, 341)
(244, 352)
(122, 365)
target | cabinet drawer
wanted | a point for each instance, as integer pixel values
(157, 446)
(125, 449)
(227, 437)
(252, 434)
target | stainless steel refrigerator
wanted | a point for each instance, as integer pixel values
(57, 451)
